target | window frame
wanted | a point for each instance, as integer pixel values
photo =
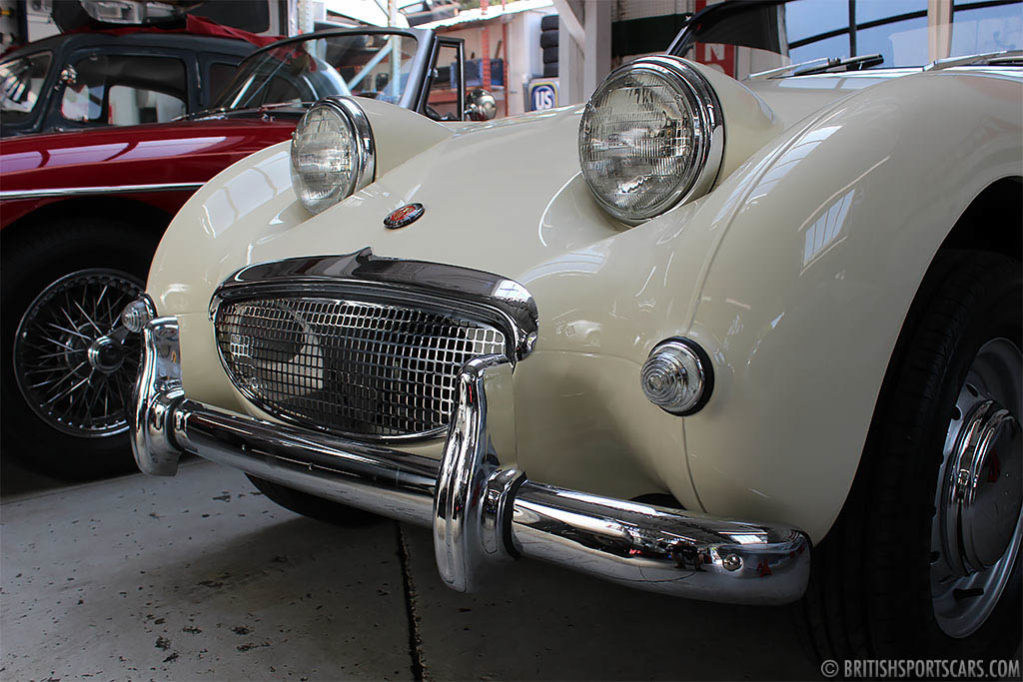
(441, 42)
(55, 119)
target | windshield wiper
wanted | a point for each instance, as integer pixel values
(1005, 57)
(859, 62)
(819, 65)
(785, 69)
(221, 112)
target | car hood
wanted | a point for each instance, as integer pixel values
(505, 197)
(534, 218)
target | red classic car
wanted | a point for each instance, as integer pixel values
(81, 214)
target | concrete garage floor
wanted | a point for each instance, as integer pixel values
(201, 577)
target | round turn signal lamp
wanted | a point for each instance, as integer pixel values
(677, 377)
(136, 315)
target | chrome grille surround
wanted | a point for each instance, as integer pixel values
(364, 347)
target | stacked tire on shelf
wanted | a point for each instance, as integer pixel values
(549, 45)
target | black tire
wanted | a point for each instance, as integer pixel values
(549, 23)
(34, 258)
(550, 70)
(870, 587)
(312, 506)
(549, 39)
(550, 55)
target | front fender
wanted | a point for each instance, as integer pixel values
(823, 251)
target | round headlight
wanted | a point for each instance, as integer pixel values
(332, 153)
(651, 136)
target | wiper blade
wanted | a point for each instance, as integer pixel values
(785, 69)
(819, 65)
(221, 112)
(1005, 57)
(283, 105)
(850, 64)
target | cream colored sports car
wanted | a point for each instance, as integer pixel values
(749, 339)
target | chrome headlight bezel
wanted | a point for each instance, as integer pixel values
(363, 151)
(708, 133)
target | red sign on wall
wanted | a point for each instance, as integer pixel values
(721, 57)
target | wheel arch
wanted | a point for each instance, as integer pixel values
(145, 215)
(992, 222)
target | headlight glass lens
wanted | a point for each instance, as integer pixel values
(328, 157)
(645, 138)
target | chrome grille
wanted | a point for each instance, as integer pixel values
(353, 367)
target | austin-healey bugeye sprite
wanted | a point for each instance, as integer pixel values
(750, 340)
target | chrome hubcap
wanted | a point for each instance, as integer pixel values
(977, 530)
(70, 373)
(106, 355)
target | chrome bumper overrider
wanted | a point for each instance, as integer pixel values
(482, 514)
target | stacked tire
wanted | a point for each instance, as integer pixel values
(549, 45)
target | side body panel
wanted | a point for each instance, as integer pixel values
(160, 154)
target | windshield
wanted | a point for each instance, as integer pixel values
(21, 81)
(373, 65)
(742, 38)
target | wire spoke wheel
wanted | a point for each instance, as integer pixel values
(74, 378)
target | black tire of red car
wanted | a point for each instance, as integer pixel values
(549, 39)
(85, 269)
(550, 55)
(549, 23)
(876, 578)
(550, 70)
(312, 506)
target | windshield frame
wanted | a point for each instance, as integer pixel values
(686, 38)
(417, 68)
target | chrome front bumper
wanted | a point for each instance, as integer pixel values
(482, 514)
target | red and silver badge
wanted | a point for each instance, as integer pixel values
(406, 215)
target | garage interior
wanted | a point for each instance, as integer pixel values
(203, 577)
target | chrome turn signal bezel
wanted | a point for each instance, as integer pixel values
(677, 376)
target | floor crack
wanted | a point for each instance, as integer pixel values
(415, 643)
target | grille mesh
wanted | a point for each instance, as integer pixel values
(355, 367)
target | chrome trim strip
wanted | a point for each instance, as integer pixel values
(448, 287)
(112, 189)
(480, 512)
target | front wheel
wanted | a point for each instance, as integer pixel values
(924, 560)
(66, 388)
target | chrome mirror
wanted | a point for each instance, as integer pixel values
(68, 75)
(480, 105)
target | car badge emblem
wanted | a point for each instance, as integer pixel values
(406, 215)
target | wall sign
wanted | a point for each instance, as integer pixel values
(543, 94)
